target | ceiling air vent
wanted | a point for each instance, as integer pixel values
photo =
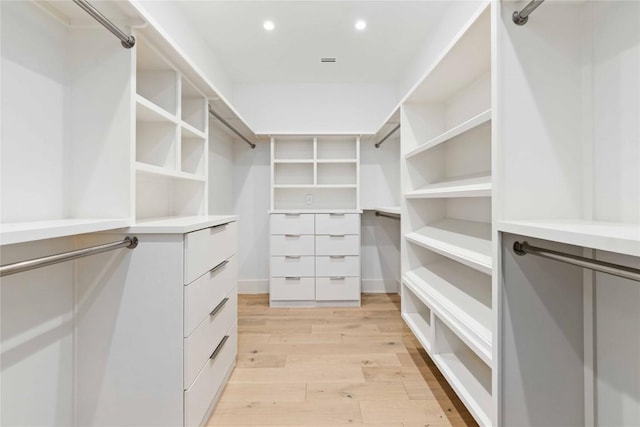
(327, 59)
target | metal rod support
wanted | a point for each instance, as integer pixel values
(227, 124)
(521, 18)
(379, 143)
(126, 40)
(592, 264)
(19, 267)
(387, 215)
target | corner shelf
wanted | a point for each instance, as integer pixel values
(157, 171)
(467, 242)
(461, 297)
(617, 237)
(473, 122)
(467, 187)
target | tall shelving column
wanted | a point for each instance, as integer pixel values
(447, 245)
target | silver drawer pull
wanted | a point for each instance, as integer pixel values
(218, 307)
(220, 225)
(292, 278)
(337, 278)
(337, 235)
(219, 347)
(219, 266)
(336, 214)
(292, 256)
(295, 236)
(337, 256)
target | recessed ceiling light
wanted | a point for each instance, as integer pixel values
(361, 24)
(269, 25)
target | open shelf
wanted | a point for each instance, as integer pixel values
(156, 79)
(473, 122)
(294, 148)
(466, 187)
(156, 144)
(20, 232)
(337, 148)
(467, 242)
(193, 106)
(152, 170)
(315, 186)
(147, 111)
(461, 297)
(417, 316)
(293, 161)
(617, 237)
(189, 131)
(337, 161)
(337, 174)
(292, 174)
(192, 158)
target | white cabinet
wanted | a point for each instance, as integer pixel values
(321, 267)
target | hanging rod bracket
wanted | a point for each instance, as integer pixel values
(522, 17)
(126, 40)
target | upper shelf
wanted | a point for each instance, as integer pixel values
(618, 237)
(20, 232)
(147, 111)
(473, 122)
(467, 187)
(467, 242)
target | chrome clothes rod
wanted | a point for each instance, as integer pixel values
(19, 267)
(227, 124)
(379, 143)
(126, 40)
(387, 215)
(592, 264)
(521, 18)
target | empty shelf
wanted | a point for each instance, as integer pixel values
(189, 131)
(19, 232)
(473, 122)
(167, 173)
(147, 111)
(459, 296)
(420, 328)
(467, 242)
(467, 187)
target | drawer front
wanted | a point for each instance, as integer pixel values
(289, 266)
(340, 288)
(202, 342)
(337, 224)
(292, 244)
(292, 224)
(337, 266)
(199, 397)
(206, 292)
(292, 288)
(345, 244)
(204, 249)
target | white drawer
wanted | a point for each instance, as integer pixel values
(340, 244)
(206, 292)
(337, 288)
(292, 266)
(199, 397)
(330, 266)
(292, 224)
(292, 288)
(337, 224)
(202, 342)
(292, 244)
(204, 249)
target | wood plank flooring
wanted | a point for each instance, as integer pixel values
(333, 367)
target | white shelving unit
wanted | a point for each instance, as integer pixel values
(311, 173)
(171, 130)
(568, 163)
(448, 244)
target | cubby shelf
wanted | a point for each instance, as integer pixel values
(617, 237)
(467, 242)
(454, 366)
(188, 131)
(420, 328)
(467, 187)
(20, 232)
(473, 122)
(147, 111)
(292, 161)
(338, 161)
(315, 186)
(461, 297)
(157, 171)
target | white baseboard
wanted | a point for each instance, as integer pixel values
(379, 286)
(369, 286)
(253, 286)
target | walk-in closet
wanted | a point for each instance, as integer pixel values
(320, 213)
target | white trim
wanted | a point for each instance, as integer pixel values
(380, 286)
(260, 286)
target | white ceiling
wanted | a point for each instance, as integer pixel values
(308, 30)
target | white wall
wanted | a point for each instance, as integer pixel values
(380, 253)
(221, 191)
(380, 173)
(314, 108)
(452, 23)
(251, 191)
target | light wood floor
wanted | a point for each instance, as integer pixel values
(333, 367)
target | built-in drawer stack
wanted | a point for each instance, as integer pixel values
(210, 317)
(315, 258)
